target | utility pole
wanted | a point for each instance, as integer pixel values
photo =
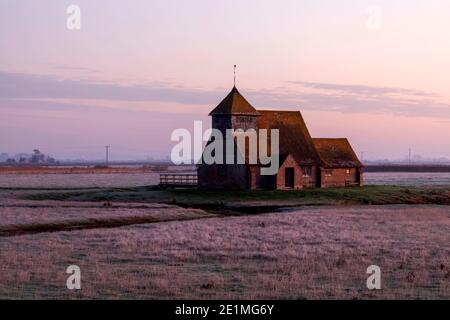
(362, 156)
(107, 154)
(409, 155)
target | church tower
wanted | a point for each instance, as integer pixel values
(234, 112)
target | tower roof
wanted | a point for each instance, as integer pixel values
(234, 104)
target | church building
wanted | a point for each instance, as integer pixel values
(304, 162)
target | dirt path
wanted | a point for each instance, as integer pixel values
(23, 217)
(17, 230)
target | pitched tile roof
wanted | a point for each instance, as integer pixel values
(234, 103)
(293, 133)
(336, 153)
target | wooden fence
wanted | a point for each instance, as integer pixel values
(178, 179)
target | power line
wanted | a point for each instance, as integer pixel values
(107, 154)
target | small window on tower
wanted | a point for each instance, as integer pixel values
(328, 173)
(348, 171)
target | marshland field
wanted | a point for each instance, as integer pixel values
(135, 241)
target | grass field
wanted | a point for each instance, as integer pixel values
(146, 243)
(312, 253)
(370, 195)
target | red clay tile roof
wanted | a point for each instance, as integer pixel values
(336, 153)
(234, 103)
(294, 135)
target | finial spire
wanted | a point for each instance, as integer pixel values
(234, 81)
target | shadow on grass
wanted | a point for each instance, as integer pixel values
(376, 195)
(16, 230)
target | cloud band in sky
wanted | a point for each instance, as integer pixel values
(299, 95)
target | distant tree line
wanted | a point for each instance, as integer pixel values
(37, 157)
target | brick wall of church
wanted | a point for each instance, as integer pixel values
(222, 176)
(258, 181)
(310, 181)
(289, 163)
(339, 177)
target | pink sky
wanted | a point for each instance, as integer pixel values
(134, 72)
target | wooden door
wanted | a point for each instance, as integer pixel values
(289, 175)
